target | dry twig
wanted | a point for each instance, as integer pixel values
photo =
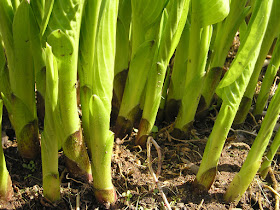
(274, 189)
(150, 141)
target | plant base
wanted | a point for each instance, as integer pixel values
(172, 109)
(76, 172)
(28, 141)
(185, 133)
(75, 149)
(143, 133)
(8, 191)
(204, 182)
(106, 197)
(123, 127)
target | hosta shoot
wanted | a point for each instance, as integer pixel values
(244, 177)
(51, 138)
(203, 15)
(97, 50)
(122, 53)
(6, 190)
(269, 77)
(178, 76)
(63, 36)
(101, 138)
(225, 32)
(145, 21)
(231, 90)
(268, 158)
(272, 32)
(17, 30)
(172, 23)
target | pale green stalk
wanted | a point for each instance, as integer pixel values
(178, 76)
(160, 114)
(145, 22)
(199, 43)
(226, 31)
(268, 158)
(244, 177)
(271, 32)
(51, 138)
(101, 138)
(6, 190)
(63, 36)
(42, 10)
(270, 74)
(17, 32)
(202, 17)
(86, 60)
(122, 52)
(231, 90)
(172, 24)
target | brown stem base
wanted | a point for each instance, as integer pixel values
(106, 197)
(75, 149)
(9, 192)
(185, 133)
(28, 141)
(123, 127)
(205, 181)
(172, 109)
(143, 133)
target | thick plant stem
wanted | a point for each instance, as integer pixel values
(173, 21)
(101, 138)
(137, 75)
(231, 90)
(199, 42)
(242, 180)
(122, 52)
(63, 35)
(208, 167)
(271, 32)
(145, 21)
(226, 31)
(6, 190)
(178, 76)
(50, 138)
(196, 77)
(16, 28)
(268, 80)
(268, 158)
(86, 60)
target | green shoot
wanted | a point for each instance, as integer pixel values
(244, 177)
(270, 74)
(231, 90)
(271, 32)
(17, 33)
(6, 190)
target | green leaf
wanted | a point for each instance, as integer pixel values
(233, 85)
(99, 118)
(62, 46)
(22, 69)
(210, 11)
(6, 17)
(42, 10)
(147, 11)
